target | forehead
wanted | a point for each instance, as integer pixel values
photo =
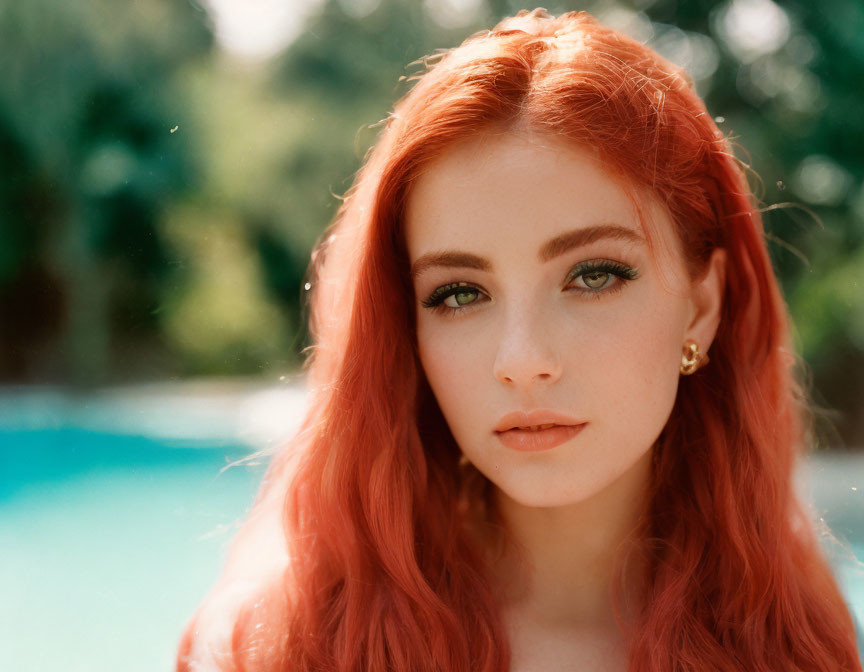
(516, 187)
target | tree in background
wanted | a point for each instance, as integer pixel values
(88, 166)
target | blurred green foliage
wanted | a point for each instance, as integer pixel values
(159, 196)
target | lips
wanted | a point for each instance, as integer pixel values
(540, 429)
(536, 420)
(530, 440)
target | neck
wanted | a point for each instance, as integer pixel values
(559, 570)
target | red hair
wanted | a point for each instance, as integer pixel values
(370, 565)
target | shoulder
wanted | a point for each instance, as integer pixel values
(206, 643)
(247, 603)
(236, 627)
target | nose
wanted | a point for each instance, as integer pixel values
(526, 354)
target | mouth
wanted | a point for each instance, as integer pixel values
(535, 428)
(538, 437)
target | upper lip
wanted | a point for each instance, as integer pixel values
(520, 419)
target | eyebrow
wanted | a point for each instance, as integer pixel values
(550, 250)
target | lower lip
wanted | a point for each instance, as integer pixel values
(528, 440)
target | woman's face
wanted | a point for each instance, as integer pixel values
(560, 306)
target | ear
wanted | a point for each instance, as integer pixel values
(706, 301)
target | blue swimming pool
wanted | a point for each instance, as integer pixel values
(109, 543)
(111, 540)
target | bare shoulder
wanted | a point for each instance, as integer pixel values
(234, 620)
(247, 601)
(207, 640)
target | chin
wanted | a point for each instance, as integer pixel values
(544, 497)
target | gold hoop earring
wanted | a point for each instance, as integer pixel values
(691, 360)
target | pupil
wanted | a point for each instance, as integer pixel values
(463, 297)
(591, 279)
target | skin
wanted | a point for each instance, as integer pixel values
(527, 339)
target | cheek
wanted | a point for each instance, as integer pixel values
(454, 359)
(451, 358)
(638, 371)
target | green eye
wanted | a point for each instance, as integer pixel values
(595, 280)
(463, 298)
(461, 292)
(597, 274)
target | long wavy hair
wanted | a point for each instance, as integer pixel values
(358, 555)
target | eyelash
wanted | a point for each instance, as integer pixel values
(622, 272)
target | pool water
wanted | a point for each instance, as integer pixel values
(110, 541)
(109, 544)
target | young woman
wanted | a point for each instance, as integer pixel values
(519, 455)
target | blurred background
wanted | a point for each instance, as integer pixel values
(166, 167)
